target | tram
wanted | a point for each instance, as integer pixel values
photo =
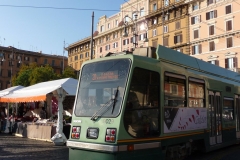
(153, 104)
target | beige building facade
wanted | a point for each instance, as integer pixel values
(80, 52)
(168, 24)
(215, 33)
(123, 31)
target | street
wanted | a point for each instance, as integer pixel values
(17, 148)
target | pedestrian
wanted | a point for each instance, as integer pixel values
(43, 114)
(2, 119)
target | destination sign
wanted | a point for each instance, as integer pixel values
(104, 76)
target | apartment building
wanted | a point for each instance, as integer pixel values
(214, 32)
(168, 24)
(12, 58)
(80, 52)
(124, 30)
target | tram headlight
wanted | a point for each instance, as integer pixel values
(75, 132)
(92, 133)
(110, 135)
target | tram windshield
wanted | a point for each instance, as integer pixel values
(102, 85)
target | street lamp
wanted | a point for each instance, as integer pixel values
(135, 30)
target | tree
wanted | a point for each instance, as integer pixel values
(22, 78)
(69, 72)
(33, 74)
(42, 74)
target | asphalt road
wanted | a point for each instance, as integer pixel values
(17, 148)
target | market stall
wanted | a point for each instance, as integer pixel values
(4, 108)
(48, 96)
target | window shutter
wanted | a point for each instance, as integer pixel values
(123, 42)
(215, 13)
(229, 25)
(226, 63)
(193, 50)
(235, 62)
(116, 44)
(207, 15)
(131, 40)
(199, 48)
(192, 20)
(181, 38)
(175, 39)
(127, 41)
(199, 18)
(217, 62)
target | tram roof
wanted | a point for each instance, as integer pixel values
(174, 57)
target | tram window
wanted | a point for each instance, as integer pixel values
(174, 90)
(228, 104)
(141, 117)
(196, 93)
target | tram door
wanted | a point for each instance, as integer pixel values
(237, 104)
(215, 115)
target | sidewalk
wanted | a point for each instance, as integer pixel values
(17, 148)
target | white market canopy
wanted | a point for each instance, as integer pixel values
(38, 92)
(10, 90)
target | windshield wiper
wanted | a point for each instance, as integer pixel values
(115, 100)
(97, 114)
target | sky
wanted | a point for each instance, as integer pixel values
(39, 25)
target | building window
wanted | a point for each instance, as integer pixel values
(154, 7)
(108, 25)
(100, 49)
(81, 56)
(195, 19)
(196, 49)
(87, 54)
(166, 17)
(45, 61)
(155, 21)
(165, 28)
(215, 62)
(26, 58)
(53, 62)
(228, 9)
(229, 25)
(211, 15)
(116, 22)
(125, 41)
(211, 46)
(231, 63)
(9, 73)
(178, 38)
(142, 13)
(195, 6)
(229, 42)
(209, 2)
(115, 44)
(196, 34)
(76, 58)
(102, 28)
(165, 41)
(211, 30)
(35, 59)
(154, 32)
(166, 2)
(178, 25)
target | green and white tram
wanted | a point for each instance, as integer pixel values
(153, 105)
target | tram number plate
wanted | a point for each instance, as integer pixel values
(108, 121)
